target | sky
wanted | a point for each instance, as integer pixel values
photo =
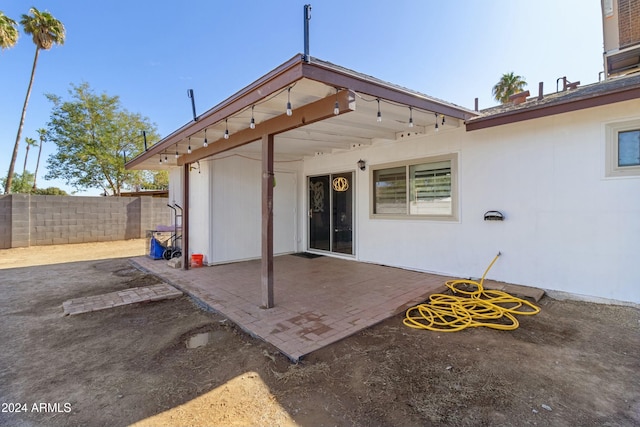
(149, 53)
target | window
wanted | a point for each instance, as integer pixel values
(629, 148)
(424, 188)
(623, 149)
(391, 190)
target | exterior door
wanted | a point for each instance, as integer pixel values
(331, 219)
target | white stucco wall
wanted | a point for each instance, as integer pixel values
(175, 186)
(567, 227)
(225, 208)
(199, 209)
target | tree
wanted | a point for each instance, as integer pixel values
(21, 184)
(8, 32)
(50, 191)
(30, 143)
(92, 134)
(508, 85)
(46, 31)
(43, 135)
(150, 180)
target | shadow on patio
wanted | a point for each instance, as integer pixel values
(318, 301)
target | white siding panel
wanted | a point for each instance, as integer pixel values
(199, 210)
(236, 222)
(175, 186)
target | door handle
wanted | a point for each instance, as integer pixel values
(310, 213)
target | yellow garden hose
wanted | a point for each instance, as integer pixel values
(476, 307)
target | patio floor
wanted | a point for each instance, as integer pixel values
(318, 301)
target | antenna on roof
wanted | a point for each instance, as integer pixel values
(193, 104)
(307, 18)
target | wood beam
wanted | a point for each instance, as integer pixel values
(267, 222)
(185, 217)
(316, 111)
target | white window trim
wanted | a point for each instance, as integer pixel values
(611, 149)
(453, 157)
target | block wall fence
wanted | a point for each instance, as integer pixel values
(27, 220)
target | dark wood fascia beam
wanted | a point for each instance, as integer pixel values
(271, 83)
(344, 80)
(550, 110)
(267, 222)
(316, 111)
(186, 190)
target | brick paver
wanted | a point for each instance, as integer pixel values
(115, 299)
(317, 301)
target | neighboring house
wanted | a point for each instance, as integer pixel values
(398, 178)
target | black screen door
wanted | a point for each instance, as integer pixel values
(331, 213)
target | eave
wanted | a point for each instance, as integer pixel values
(310, 83)
(573, 100)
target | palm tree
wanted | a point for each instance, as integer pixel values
(30, 143)
(43, 136)
(508, 85)
(8, 32)
(45, 31)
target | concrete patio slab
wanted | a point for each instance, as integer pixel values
(317, 301)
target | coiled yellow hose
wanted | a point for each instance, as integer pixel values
(476, 307)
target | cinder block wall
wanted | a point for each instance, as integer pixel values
(51, 220)
(5, 221)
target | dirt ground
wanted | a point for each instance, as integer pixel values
(574, 364)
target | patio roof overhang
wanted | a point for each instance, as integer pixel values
(313, 88)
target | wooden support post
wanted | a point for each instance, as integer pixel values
(185, 217)
(267, 221)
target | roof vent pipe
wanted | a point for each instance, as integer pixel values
(566, 84)
(476, 104)
(307, 18)
(540, 91)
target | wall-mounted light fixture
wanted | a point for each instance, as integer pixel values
(226, 129)
(252, 124)
(362, 165)
(493, 216)
(205, 144)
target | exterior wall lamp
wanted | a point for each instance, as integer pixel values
(362, 164)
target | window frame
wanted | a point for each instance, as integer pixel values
(612, 130)
(453, 216)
